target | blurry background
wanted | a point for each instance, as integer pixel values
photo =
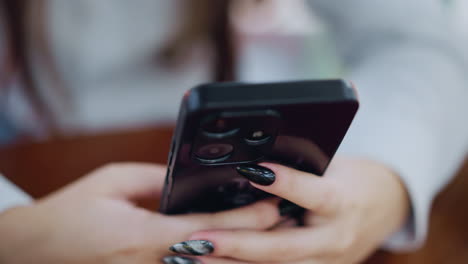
(84, 67)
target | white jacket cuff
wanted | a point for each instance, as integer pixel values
(11, 195)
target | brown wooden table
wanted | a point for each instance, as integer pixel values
(40, 168)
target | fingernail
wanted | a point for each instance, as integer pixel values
(180, 260)
(288, 208)
(193, 247)
(257, 174)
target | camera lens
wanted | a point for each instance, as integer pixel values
(257, 137)
(219, 128)
(214, 153)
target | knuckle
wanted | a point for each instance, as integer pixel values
(109, 168)
(114, 169)
(100, 174)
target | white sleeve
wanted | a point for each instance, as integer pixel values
(11, 195)
(403, 57)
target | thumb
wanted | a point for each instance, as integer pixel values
(127, 181)
(305, 189)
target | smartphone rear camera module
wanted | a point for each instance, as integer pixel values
(219, 128)
(257, 138)
(214, 153)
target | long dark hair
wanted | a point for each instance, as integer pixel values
(207, 19)
(17, 62)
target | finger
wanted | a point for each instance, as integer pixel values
(305, 189)
(260, 215)
(309, 261)
(273, 246)
(127, 180)
(180, 260)
(211, 260)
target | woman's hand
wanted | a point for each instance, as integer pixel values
(95, 220)
(351, 210)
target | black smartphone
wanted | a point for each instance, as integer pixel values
(221, 125)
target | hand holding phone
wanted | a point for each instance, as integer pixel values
(223, 126)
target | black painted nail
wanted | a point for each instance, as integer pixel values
(193, 247)
(257, 174)
(179, 260)
(288, 208)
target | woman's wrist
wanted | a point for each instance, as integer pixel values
(388, 189)
(402, 204)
